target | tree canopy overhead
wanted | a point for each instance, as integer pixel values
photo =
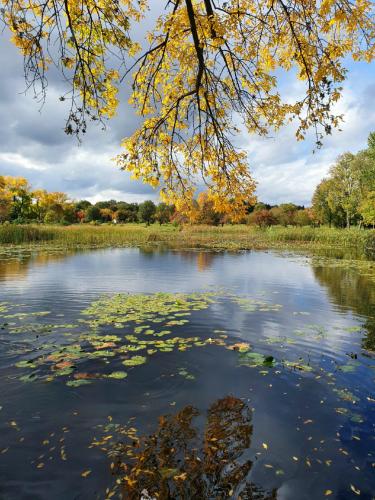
(204, 65)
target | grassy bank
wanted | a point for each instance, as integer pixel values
(228, 237)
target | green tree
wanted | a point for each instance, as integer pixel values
(93, 214)
(69, 214)
(322, 211)
(345, 189)
(52, 217)
(82, 205)
(163, 213)
(367, 209)
(284, 213)
(303, 217)
(5, 200)
(146, 212)
(128, 215)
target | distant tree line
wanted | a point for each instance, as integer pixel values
(347, 196)
(20, 204)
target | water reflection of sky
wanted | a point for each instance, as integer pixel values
(122, 270)
(80, 278)
(281, 403)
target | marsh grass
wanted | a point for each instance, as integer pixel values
(236, 237)
(16, 234)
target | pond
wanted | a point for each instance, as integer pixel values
(169, 374)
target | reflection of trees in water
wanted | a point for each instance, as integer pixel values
(183, 461)
(18, 267)
(351, 290)
(203, 259)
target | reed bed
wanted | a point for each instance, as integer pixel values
(229, 237)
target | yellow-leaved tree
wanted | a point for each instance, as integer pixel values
(204, 66)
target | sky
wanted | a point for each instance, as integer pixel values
(33, 143)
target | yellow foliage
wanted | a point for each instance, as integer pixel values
(206, 65)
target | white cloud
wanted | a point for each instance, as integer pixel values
(114, 194)
(287, 170)
(18, 160)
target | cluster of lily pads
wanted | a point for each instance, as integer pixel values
(119, 332)
(144, 321)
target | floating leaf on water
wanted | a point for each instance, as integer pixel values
(355, 417)
(239, 346)
(77, 383)
(149, 332)
(118, 375)
(86, 473)
(25, 364)
(134, 361)
(297, 366)
(357, 491)
(61, 373)
(346, 395)
(63, 364)
(184, 373)
(255, 359)
(353, 329)
(29, 378)
(163, 332)
(349, 368)
(102, 354)
(268, 360)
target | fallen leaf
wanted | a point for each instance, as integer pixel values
(355, 490)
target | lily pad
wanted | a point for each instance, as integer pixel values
(118, 375)
(78, 383)
(135, 361)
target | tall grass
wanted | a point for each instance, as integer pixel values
(226, 237)
(16, 235)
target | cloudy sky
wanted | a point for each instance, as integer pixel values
(33, 143)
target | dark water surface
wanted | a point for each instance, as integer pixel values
(264, 364)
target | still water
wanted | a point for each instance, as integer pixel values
(185, 375)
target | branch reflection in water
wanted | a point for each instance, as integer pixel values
(190, 456)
